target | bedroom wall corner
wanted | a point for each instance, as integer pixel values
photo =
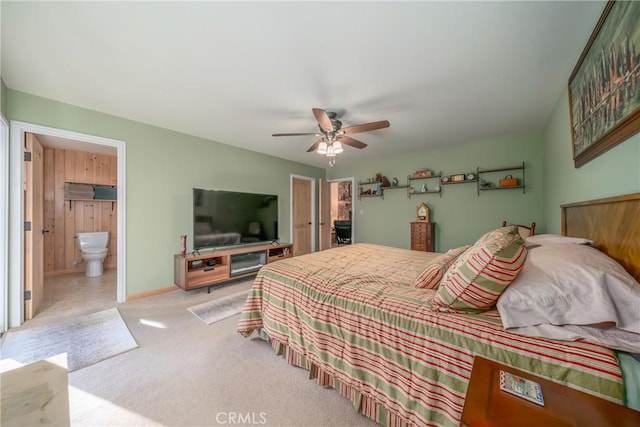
(613, 173)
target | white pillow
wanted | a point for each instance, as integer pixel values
(556, 239)
(571, 285)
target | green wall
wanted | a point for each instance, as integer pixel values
(613, 173)
(3, 98)
(162, 168)
(461, 216)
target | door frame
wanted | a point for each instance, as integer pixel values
(4, 225)
(353, 203)
(313, 207)
(16, 212)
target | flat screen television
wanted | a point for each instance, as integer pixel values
(229, 218)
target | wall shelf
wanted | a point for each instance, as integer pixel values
(412, 178)
(494, 186)
(478, 177)
(379, 191)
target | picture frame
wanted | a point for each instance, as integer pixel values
(604, 87)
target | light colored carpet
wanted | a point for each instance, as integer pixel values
(220, 308)
(189, 374)
(86, 339)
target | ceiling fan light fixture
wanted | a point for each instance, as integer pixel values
(337, 147)
(330, 151)
(322, 148)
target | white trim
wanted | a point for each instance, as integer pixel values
(353, 204)
(16, 214)
(4, 241)
(313, 208)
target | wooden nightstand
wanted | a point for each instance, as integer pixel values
(488, 406)
(423, 236)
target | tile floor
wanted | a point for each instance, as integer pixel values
(76, 293)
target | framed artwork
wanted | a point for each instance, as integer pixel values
(604, 88)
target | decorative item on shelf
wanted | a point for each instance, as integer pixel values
(385, 182)
(422, 212)
(422, 173)
(457, 178)
(471, 176)
(183, 244)
(366, 192)
(412, 190)
(378, 177)
(444, 179)
(424, 188)
(509, 181)
(394, 182)
(486, 184)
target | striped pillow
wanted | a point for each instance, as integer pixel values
(476, 279)
(434, 271)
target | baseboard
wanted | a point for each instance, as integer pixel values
(152, 293)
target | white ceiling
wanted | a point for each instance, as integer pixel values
(236, 72)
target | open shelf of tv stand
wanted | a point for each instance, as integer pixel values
(214, 267)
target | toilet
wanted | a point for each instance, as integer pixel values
(93, 247)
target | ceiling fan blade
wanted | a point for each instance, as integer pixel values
(323, 119)
(366, 127)
(347, 140)
(314, 147)
(295, 134)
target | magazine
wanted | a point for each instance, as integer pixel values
(521, 387)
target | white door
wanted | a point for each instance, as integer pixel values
(4, 232)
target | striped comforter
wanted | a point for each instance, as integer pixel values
(353, 318)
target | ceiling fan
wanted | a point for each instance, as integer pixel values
(333, 135)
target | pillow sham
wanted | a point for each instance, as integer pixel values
(475, 280)
(431, 276)
(556, 239)
(571, 285)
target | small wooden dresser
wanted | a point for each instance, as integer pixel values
(423, 236)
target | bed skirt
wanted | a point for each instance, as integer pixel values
(363, 404)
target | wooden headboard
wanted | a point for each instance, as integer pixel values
(612, 223)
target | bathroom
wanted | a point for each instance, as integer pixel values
(66, 214)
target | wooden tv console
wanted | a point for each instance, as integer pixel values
(214, 267)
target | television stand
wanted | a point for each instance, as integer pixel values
(197, 270)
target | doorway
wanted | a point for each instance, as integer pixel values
(4, 245)
(81, 142)
(341, 208)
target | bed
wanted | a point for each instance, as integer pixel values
(354, 317)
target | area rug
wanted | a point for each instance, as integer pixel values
(218, 309)
(86, 340)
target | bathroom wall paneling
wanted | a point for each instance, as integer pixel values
(63, 218)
